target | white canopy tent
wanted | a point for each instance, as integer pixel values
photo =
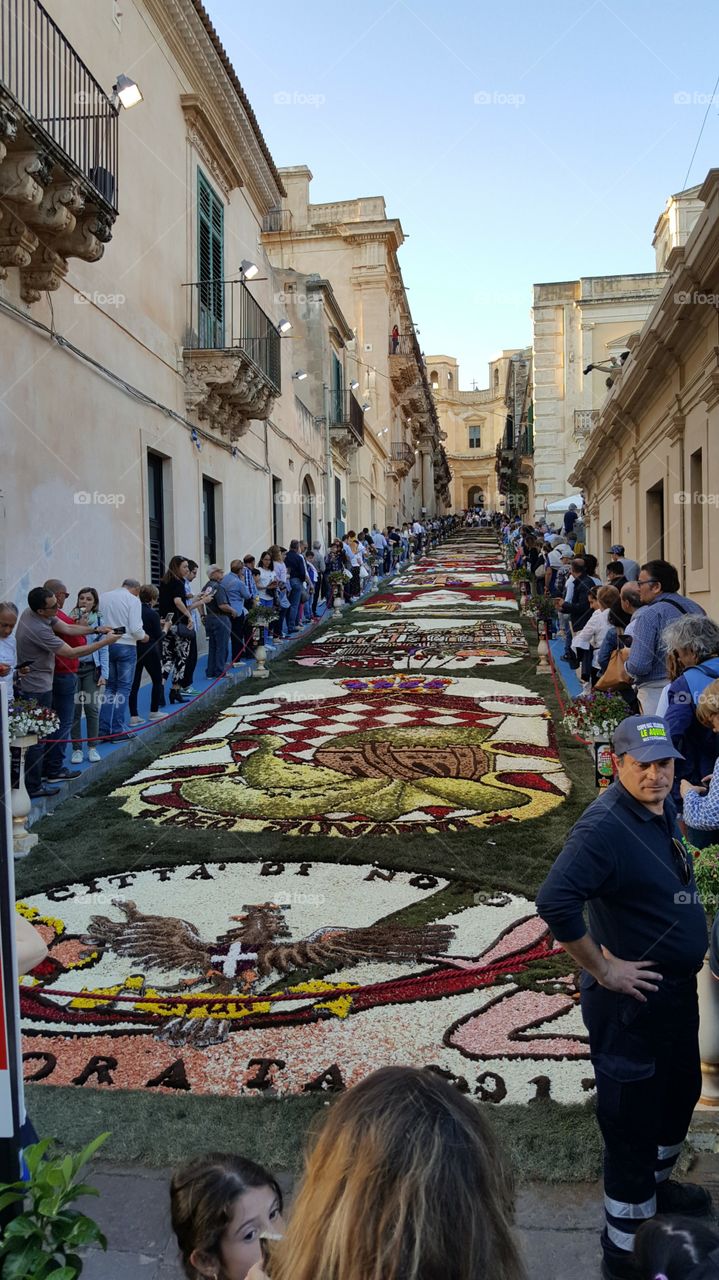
(562, 504)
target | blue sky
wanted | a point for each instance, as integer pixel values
(522, 144)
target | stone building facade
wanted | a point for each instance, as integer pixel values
(650, 470)
(474, 423)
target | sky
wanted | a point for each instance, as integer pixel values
(517, 145)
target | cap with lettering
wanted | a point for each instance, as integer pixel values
(646, 738)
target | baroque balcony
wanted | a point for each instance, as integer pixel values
(404, 360)
(584, 421)
(346, 418)
(231, 356)
(402, 457)
(58, 152)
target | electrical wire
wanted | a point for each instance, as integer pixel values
(701, 131)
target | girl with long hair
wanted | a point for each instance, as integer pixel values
(406, 1182)
(221, 1206)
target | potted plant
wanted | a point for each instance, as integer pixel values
(336, 582)
(596, 715)
(259, 617)
(43, 1239)
(27, 721)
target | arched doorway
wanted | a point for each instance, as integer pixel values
(475, 497)
(308, 501)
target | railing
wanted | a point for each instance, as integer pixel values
(60, 98)
(584, 420)
(277, 220)
(346, 411)
(224, 316)
(402, 344)
(402, 453)
(306, 421)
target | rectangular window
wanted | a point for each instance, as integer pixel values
(655, 521)
(696, 510)
(210, 264)
(277, 496)
(607, 541)
(475, 437)
(337, 406)
(209, 521)
(156, 516)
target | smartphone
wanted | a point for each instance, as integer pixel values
(169, 617)
(22, 667)
(118, 631)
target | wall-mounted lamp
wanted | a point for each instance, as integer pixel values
(284, 326)
(366, 405)
(300, 375)
(354, 384)
(248, 270)
(125, 93)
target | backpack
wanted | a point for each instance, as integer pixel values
(699, 677)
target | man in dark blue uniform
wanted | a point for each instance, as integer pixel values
(647, 937)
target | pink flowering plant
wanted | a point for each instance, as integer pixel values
(27, 718)
(596, 715)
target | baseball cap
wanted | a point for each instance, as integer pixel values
(646, 738)
(215, 568)
(617, 549)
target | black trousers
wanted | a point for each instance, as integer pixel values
(191, 662)
(648, 1073)
(241, 639)
(151, 663)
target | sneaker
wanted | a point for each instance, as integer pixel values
(157, 715)
(76, 757)
(94, 756)
(65, 775)
(191, 691)
(684, 1198)
(136, 720)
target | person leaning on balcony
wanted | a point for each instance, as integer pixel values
(395, 339)
(645, 662)
(37, 647)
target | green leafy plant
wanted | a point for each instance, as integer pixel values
(596, 714)
(43, 1239)
(706, 874)
(336, 579)
(261, 615)
(520, 575)
(543, 608)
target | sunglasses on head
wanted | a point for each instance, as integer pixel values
(681, 858)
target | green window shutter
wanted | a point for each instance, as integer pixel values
(210, 251)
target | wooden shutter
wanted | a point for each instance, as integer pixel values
(210, 243)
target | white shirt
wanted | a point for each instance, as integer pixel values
(8, 654)
(592, 634)
(417, 527)
(120, 608)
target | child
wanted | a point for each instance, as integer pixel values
(220, 1206)
(676, 1249)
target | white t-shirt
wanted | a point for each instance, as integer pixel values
(120, 608)
(8, 655)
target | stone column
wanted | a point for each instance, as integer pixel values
(427, 490)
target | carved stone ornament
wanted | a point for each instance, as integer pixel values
(227, 390)
(17, 242)
(60, 203)
(23, 176)
(8, 130)
(46, 272)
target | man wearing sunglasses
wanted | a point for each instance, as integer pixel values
(626, 863)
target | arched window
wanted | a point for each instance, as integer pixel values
(449, 381)
(496, 379)
(474, 433)
(434, 380)
(308, 497)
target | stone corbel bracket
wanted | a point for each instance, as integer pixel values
(227, 390)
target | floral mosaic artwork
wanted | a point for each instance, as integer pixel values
(365, 756)
(198, 989)
(269, 967)
(434, 644)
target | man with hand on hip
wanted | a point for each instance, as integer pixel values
(625, 861)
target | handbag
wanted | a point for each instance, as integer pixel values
(615, 676)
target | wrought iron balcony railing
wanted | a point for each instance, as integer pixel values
(346, 412)
(403, 344)
(277, 220)
(224, 316)
(402, 453)
(584, 420)
(60, 101)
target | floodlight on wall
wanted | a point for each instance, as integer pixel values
(354, 385)
(284, 326)
(125, 93)
(300, 375)
(248, 270)
(366, 405)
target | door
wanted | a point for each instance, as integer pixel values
(156, 512)
(209, 525)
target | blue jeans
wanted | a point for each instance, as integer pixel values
(35, 756)
(113, 717)
(219, 630)
(64, 688)
(296, 585)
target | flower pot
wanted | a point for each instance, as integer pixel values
(260, 672)
(20, 803)
(709, 1035)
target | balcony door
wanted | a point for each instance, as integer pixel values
(210, 246)
(209, 521)
(337, 406)
(156, 516)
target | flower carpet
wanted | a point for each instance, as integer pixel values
(333, 872)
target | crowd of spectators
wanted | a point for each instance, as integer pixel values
(88, 664)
